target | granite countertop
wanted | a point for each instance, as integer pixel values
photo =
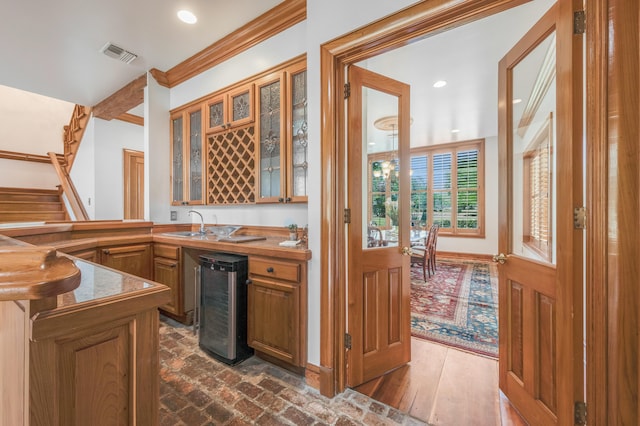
(99, 282)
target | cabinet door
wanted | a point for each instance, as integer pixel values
(187, 161)
(297, 138)
(216, 113)
(90, 255)
(133, 259)
(167, 272)
(240, 103)
(274, 319)
(270, 179)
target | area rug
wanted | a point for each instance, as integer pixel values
(458, 306)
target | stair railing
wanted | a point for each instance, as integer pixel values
(69, 189)
(73, 133)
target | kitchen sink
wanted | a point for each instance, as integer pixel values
(183, 234)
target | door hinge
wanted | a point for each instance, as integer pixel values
(347, 341)
(347, 215)
(347, 90)
(580, 413)
(579, 22)
(580, 218)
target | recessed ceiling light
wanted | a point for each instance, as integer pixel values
(517, 101)
(187, 17)
(455, 131)
(439, 83)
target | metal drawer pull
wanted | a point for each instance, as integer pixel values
(270, 269)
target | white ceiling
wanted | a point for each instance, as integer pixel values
(467, 58)
(53, 47)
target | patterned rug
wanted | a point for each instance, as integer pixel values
(458, 306)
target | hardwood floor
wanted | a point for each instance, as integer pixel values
(445, 386)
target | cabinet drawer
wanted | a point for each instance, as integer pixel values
(274, 269)
(169, 252)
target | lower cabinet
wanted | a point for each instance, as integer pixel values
(135, 259)
(277, 309)
(90, 255)
(166, 270)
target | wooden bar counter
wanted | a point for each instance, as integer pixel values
(78, 342)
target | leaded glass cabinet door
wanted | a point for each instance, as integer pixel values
(298, 140)
(186, 157)
(194, 151)
(177, 159)
(230, 109)
(270, 152)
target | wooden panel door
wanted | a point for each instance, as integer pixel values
(133, 184)
(540, 282)
(379, 286)
(167, 271)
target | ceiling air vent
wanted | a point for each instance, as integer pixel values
(116, 52)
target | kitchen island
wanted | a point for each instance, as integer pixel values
(78, 341)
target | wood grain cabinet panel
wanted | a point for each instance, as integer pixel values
(277, 309)
(134, 259)
(167, 271)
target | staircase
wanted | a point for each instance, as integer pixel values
(31, 205)
(73, 133)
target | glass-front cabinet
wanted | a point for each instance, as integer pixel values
(230, 109)
(281, 124)
(187, 171)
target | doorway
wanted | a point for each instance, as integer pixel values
(133, 165)
(365, 46)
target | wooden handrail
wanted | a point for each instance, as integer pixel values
(69, 189)
(73, 133)
(35, 158)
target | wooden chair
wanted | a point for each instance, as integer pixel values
(423, 255)
(434, 230)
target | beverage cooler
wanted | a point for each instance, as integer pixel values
(223, 307)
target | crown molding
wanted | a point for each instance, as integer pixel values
(285, 15)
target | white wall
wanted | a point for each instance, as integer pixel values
(110, 138)
(83, 173)
(31, 124)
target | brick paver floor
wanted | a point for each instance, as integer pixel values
(196, 389)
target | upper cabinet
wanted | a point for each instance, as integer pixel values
(281, 134)
(255, 144)
(227, 110)
(187, 161)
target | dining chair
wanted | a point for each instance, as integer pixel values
(422, 255)
(374, 237)
(434, 230)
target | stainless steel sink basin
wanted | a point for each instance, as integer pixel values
(182, 234)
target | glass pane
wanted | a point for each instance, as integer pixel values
(380, 169)
(467, 180)
(533, 162)
(300, 133)
(195, 156)
(177, 160)
(216, 114)
(240, 106)
(442, 189)
(270, 140)
(419, 176)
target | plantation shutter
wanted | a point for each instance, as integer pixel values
(467, 188)
(442, 163)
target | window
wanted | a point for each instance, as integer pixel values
(537, 193)
(446, 188)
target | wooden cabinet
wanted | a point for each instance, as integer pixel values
(134, 259)
(277, 309)
(167, 271)
(227, 110)
(187, 159)
(281, 133)
(90, 254)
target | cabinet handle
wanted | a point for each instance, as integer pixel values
(248, 282)
(287, 200)
(270, 269)
(106, 251)
(281, 200)
(173, 265)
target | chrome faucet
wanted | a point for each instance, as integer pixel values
(202, 231)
